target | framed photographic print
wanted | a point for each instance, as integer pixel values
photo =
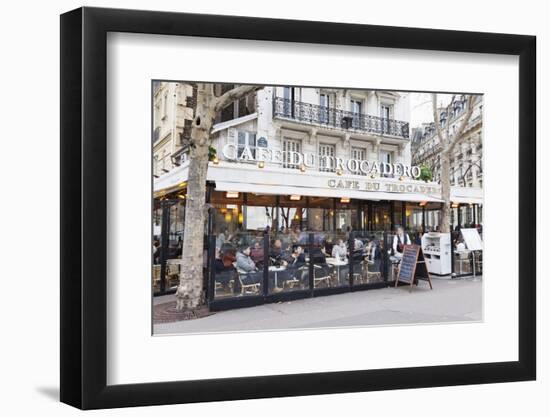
(260, 208)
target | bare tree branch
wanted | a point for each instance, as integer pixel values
(466, 119)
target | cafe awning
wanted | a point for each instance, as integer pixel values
(280, 181)
(467, 195)
(320, 192)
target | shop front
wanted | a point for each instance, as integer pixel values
(280, 234)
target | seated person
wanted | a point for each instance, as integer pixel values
(328, 245)
(247, 265)
(317, 255)
(224, 272)
(339, 250)
(293, 270)
(245, 262)
(257, 254)
(227, 255)
(278, 255)
(358, 244)
(298, 258)
(276, 250)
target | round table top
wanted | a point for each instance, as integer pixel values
(277, 268)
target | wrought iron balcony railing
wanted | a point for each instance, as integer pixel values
(340, 119)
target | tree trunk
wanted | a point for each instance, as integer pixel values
(445, 192)
(190, 290)
(189, 293)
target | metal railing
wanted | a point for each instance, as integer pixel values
(339, 119)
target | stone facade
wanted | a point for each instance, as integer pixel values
(467, 162)
(173, 105)
(349, 127)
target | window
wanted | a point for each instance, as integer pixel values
(356, 106)
(385, 111)
(358, 153)
(238, 108)
(385, 156)
(326, 102)
(326, 157)
(290, 160)
(385, 114)
(357, 110)
(288, 104)
(361, 155)
(246, 140)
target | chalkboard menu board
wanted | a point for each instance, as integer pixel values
(412, 266)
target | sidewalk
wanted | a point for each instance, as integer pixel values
(450, 301)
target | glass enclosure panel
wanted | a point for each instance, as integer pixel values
(321, 214)
(381, 216)
(292, 213)
(227, 216)
(347, 217)
(433, 219)
(167, 251)
(288, 268)
(414, 216)
(393, 259)
(463, 262)
(227, 221)
(367, 260)
(398, 213)
(238, 266)
(330, 259)
(260, 213)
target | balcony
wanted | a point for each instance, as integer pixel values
(338, 119)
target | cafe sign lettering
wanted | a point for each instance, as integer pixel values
(233, 153)
(388, 187)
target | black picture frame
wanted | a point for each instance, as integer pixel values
(84, 207)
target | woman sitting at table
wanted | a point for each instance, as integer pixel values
(245, 264)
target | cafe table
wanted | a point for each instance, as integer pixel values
(337, 263)
(276, 269)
